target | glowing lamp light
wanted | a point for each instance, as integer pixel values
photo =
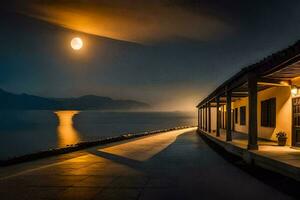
(284, 83)
(76, 43)
(294, 91)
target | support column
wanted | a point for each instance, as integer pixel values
(200, 118)
(228, 116)
(202, 112)
(223, 117)
(205, 122)
(218, 117)
(232, 119)
(252, 107)
(209, 117)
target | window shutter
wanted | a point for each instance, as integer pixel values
(243, 115)
(272, 112)
(262, 115)
(268, 113)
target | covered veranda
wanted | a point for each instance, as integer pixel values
(278, 70)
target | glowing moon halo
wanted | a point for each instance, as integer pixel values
(76, 43)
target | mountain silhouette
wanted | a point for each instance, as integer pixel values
(10, 101)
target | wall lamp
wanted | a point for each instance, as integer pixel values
(294, 90)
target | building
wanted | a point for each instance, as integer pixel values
(260, 100)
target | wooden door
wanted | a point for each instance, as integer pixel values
(296, 122)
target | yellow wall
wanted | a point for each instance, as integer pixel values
(296, 81)
(238, 104)
(283, 113)
(213, 119)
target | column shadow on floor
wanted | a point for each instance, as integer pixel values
(168, 163)
(135, 164)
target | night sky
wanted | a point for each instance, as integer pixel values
(166, 53)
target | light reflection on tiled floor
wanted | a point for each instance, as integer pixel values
(269, 149)
(143, 149)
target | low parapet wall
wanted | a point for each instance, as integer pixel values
(84, 145)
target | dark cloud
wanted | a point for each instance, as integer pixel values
(134, 20)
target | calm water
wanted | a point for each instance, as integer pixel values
(23, 132)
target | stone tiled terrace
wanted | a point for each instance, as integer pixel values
(241, 139)
(172, 165)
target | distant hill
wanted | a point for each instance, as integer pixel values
(10, 101)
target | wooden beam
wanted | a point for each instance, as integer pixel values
(239, 95)
(271, 70)
(267, 68)
(272, 82)
(239, 92)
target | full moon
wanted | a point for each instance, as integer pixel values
(76, 43)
